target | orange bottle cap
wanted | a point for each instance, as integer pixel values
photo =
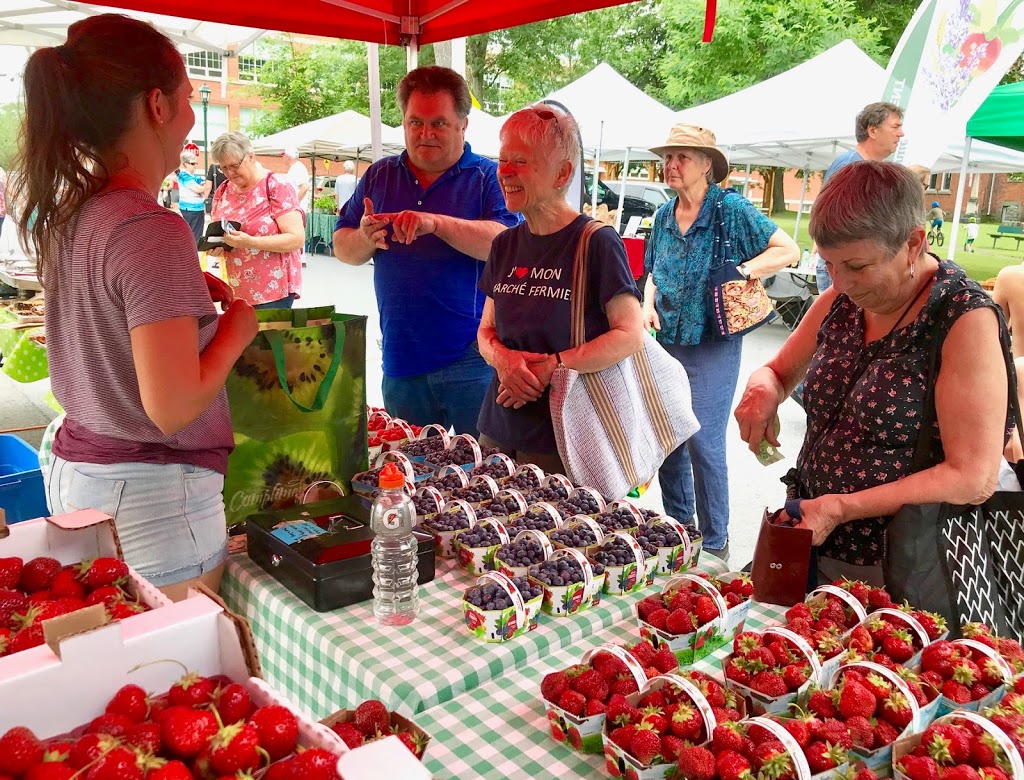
(391, 477)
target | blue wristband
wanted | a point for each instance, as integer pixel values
(793, 508)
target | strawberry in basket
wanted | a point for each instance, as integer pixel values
(1009, 649)
(1009, 713)
(962, 746)
(964, 670)
(769, 665)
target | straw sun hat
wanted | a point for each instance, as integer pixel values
(699, 138)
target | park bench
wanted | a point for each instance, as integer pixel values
(1016, 232)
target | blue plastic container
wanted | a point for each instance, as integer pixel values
(22, 496)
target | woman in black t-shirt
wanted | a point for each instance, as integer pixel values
(524, 331)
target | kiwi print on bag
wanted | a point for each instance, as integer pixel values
(298, 407)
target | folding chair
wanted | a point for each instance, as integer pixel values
(792, 295)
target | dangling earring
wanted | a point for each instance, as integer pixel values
(913, 270)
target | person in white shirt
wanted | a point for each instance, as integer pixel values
(972, 235)
(297, 176)
(345, 184)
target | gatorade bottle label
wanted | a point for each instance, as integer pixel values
(391, 520)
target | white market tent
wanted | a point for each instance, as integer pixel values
(344, 136)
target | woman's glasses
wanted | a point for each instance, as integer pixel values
(234, 168)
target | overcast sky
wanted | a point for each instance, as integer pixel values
(12, 62)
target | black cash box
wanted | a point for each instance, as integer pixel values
(321, 551)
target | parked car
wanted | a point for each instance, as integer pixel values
(631, 206)
(325, 185)
(654, 192)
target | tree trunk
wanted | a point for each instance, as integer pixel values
(768, 178)
(476, 65)
(778, 190)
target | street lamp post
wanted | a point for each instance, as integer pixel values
(204, 93)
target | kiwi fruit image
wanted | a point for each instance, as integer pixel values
(274, 475)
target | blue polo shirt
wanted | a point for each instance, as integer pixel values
(428, 293)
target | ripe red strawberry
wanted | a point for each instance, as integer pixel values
(947, 744)
(896, 710)
(234, 749)
(665, 660)
(885, 733)
(648, 606)
(172, 770)
(769, 684)
(658, 618)
(643, 651)
(88, 748)
(833, 732)
(591, 684)
(861, 732)
(349, 734)
(29, 637)
(984, 750)
(781, 653)
(879, 599)
(10, 572)
(19, 750)
(107, 596)
(687, 723)
(101, 572)
(624, 684)
(646, 746)
(919, 768)
(278, 730)
(860, 640)
(110, 724)
(761, 659)
(39, 573)
(119, 764)
(191, 690)
(798, 730)
(681, 599)
(66, 584)
(619, 711)
(12, 602)
(186, 732)
(553, 686)
(898, 647)
(795, 675)
(232, 703)
(696, 763)
(746, 641)
(731, 765)
(623, 736)
(799, 612)
(956, 692)
(737, 670)
(131, 702)
(865, 774)
(680, 622)
(933, 624)
(594, 707)
(821, 757)
(415, 745)
(50, 770)
(939, 657)
(573, 702)
(705, 609)
(315, 764)
(855, 699)
(146, 737)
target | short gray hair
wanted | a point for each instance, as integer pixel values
(349, 166)
(233, 143)
(188, 157)
(547, 129)
(873, 115)
(869, 200)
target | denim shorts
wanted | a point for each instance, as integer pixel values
(170, 518)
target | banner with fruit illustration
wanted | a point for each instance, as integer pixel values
(950, 57)
(298, 407)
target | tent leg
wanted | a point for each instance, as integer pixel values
(746, 184)
(960, 186)
(800, 208)
(412, 53)
(622, 192)
(373, 66)
(597, 171)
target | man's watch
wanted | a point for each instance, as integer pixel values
(743, 271)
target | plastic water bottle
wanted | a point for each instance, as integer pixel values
(805, 258)
(396, 590)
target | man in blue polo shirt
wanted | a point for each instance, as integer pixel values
(426, 218)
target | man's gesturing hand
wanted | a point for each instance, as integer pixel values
(410, 225)
(374, 227)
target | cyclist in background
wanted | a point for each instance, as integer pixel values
(936, 216)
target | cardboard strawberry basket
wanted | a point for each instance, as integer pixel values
(565, 600)
(758, 702)
(456, 515)
(501, 625)
(399, 723)
(479, 559)
(982, 655)
(630, 577)
(513, 569)
(366, 482)
(1010, 759)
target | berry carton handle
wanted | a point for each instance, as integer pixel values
(519, 499)
(434, 493)
(505, 460)
(394, 456)
(557, 479)
(638, 552)
(537, 536)
(796, 753)
(593, 494)
(442, 432)
(890, 676)
(691, 690)
(845, 596)
(802, 645)
(588, 569)
(1013, 755)
(518, 604)
(486, 479)
(529, 468)
(680, 529)
(473, 445)
(631, 663)
(546, 508)
(403, 426)
(629, 507)
(677, 581)
(589, 522)
(379, 415)
(448, 468)
(457, 503)
(988, 652)
(335, 485)
(910, 620)
(498, 526)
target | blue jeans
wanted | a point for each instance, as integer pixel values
(451, 396)
(822, 277)
(169, 518)
(284, 303)
(696, 476)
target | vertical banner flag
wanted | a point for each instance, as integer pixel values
(950, 57)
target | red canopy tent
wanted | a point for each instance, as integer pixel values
(395, 22)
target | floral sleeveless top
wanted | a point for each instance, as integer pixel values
(864, 435)
(256, 275)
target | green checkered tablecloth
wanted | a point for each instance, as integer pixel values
(329, 660)
(500, 729)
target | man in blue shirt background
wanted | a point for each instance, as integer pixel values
(426, 218)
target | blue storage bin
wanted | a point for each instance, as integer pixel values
(22, 495)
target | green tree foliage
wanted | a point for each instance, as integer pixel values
(754, 40)
(10, 129)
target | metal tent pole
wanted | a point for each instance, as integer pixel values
(960, 185)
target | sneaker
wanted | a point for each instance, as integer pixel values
(723, 553)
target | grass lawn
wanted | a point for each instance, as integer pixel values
(983, 264)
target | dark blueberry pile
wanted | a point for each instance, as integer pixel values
(523, 482)
(578, 537)
(647, 514)
(497, 470)
(373, 475)
(525, 552)
(581, 504)
(490, 596)
(459, 455)
(616, 520)
(449, 521)
(553, 493)
(665, 535)
(506, 506)
(562, 572)
(425, 505)
(534, 520)
(617, 552)
(447, 482)
(491, 510)
(480, 536)
(474, 494)
(420, 447)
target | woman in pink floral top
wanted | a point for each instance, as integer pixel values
(263, 259)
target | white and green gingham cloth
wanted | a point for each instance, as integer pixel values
(500, 730)
(327, 661)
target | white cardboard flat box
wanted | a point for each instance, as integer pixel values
(71, 538)
(381, 758)
(197, 632)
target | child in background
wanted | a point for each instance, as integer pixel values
(972, 233)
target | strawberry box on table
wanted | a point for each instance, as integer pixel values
(454, 516)
(500, 609)
(462, 451)
(970, 675)
(56, 566)
(678, 545)
(366, 482)
(371, 721)
(475, 547)
(527, 548)
(771, 669)
(498, 466)
(959, 746)
(571, 582)
(630, 565)
(695, 615)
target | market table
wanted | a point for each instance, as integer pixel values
(329, 660)
(500, 730)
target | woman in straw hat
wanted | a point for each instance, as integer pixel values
(678, 260)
